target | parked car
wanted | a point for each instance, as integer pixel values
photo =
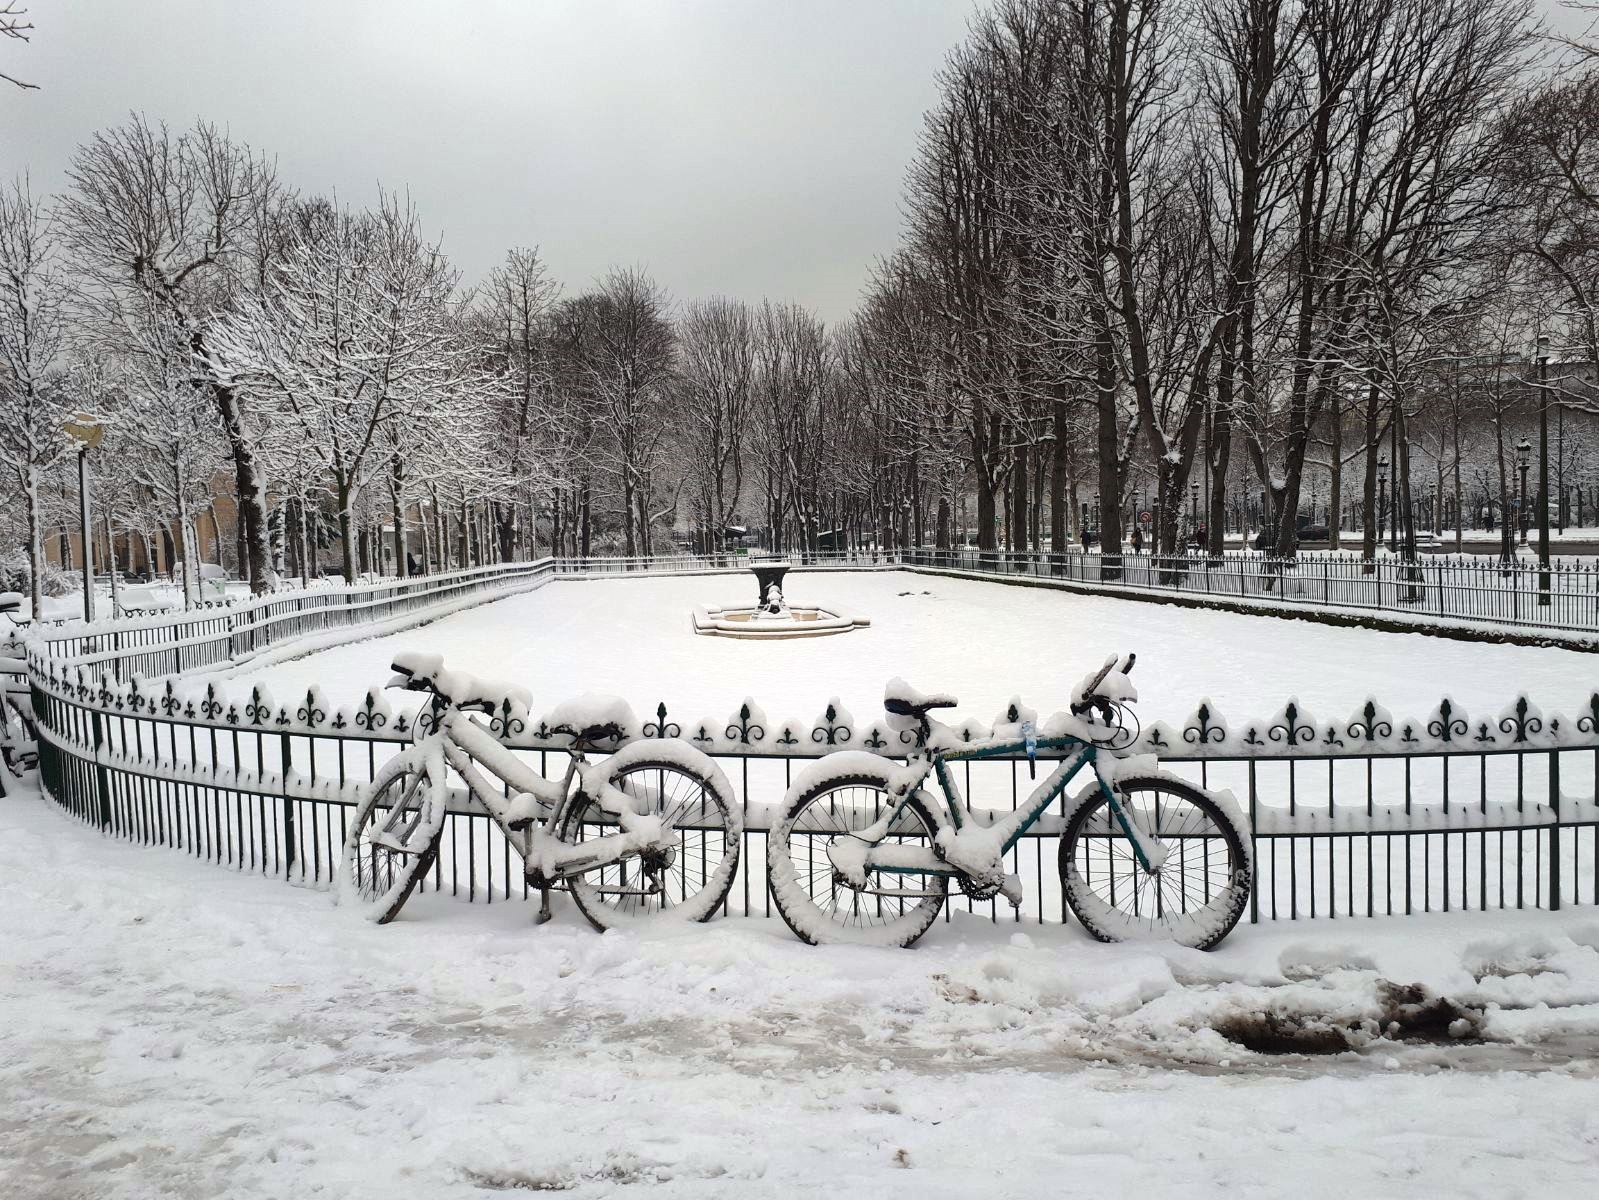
(1311, 537)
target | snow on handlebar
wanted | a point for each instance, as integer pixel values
(426, 673)
(1107, 684)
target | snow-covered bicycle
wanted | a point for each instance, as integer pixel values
(19, 742)
(864, 854)
(649, 831)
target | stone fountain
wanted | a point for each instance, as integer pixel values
(772, 616)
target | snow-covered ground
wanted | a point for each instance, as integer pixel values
(170, 1029)
(984, 641)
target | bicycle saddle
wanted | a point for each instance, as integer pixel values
(901, 699)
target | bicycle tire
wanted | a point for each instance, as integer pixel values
(376, 880)
(1219, 865)
(685, 787)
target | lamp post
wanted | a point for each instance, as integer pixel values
(1382, 496)
(1193, 510)
(1523, 461)
(86, 430)
(1543, 470)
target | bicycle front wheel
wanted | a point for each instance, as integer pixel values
(688, 880)
(1196, 897)
(393, 838)
(830, 801)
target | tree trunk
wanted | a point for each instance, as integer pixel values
(35, 542)
(346, 534)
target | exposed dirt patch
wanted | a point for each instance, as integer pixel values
(1405, 1013)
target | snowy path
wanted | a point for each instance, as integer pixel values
(984, 641)
(170, 1029)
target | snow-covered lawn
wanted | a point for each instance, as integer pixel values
(171, 1029)
(984, 641)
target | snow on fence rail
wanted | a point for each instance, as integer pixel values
(1361, 815)
(1436, 590)
(1444, 591)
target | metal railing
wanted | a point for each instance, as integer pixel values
(1436, 590)
(225, 632)
(1366, 817)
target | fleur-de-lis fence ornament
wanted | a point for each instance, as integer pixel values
(1520, 723)
(744, 730)
(310, 713)
(506, 725)
(259, 710)
(830, 732)
(1446, 725)
(1589, 721)
(1204, 731)
(1370, 726)
(371, 716)
(212, 704)
(1291, 731)
(661, 727)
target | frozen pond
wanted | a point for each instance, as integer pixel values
(985, 642)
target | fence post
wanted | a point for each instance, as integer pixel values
(1254, 852)
(286, 760)
(102, 780)
(1554, 832)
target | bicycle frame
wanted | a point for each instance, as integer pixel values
(906, 860)
(469, 750)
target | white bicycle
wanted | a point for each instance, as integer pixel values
(650, 831)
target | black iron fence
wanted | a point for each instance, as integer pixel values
(1435, 590)
(222, 632)
(1366, 817)
(1438, 590)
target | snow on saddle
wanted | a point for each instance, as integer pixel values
(901, 699)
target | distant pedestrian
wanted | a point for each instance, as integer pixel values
(1138, 539)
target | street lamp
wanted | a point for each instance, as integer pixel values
(87, 430)
(1523, 461)
(1543, 469)
(1382, 496)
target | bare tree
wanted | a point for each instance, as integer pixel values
(714, 396)
(184, 223)
(34, 402)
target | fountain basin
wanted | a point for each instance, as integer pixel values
(798, 621)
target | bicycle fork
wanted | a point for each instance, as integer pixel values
(1147, 847)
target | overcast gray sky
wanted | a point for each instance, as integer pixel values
(743, 148)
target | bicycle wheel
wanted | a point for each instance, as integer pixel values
(393, 837)
(1197, 896)
(830, 801)
(687, 882)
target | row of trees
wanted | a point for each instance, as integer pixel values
(1234, 242)
(1150, 247)
(326, 363)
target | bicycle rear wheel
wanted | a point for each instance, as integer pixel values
(1199, 893)
(393, 838)
(690, 880)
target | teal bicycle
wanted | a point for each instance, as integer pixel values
(865, 854)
